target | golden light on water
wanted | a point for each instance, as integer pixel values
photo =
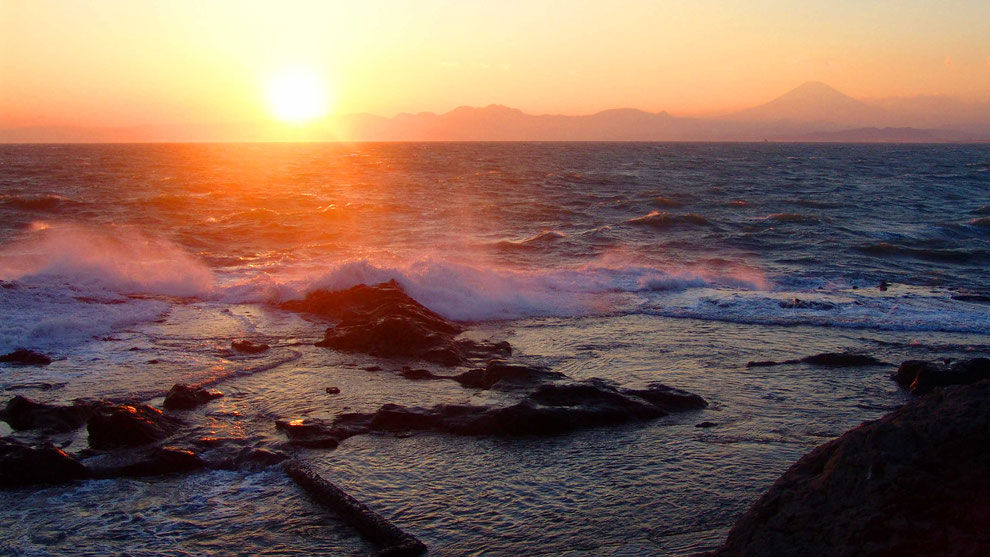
(297, 96)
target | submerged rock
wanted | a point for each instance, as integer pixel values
(841, 359)
(23, 357)
(308, 432)
(248, 347)
(382, 320)
(501, 375)
(551, 409)
(914, 482)
(23, 413)
(921, 377)
(22, 464)
(798, 303)
(157, 461)
(976, 298)
(120, 425)
(826, 359)
(184, 397)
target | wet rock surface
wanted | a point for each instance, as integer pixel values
(825, 359)
(22, 413)
(154, 461)
(122, 425)
(22, 464)
(382, 320)
(184, 397)
(920, 376)
(914, 482)
(248, 347)
(23, 357)
(498, 374)
(552, 408)
(310, 433)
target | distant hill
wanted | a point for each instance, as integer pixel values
(814, 102)
(811, 112)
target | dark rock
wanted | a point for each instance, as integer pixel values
(914, 482)
(22, 464)
(807, 304)
(418, 374)
(23, 357)
(382, 320)
(884, 285)
(333, 390)
(23, 413)
(668, 398)
(841, 359)
(248, 347)
(551, 409)
(921, 377)
(763, 363)
(372, 368)
(253, 458)
(308, 432)
(184, 397)
(706, 425)
(156, 461)
(499, 374)
(977, 298)
(40, 386)
(827, 359)
(120, 425)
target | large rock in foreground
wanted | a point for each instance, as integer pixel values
(915, 482)
(920, 376)
(382, 320)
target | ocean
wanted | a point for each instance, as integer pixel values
(135, 266)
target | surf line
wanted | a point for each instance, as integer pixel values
(373, 526)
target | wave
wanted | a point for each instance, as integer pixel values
(52, 316)
(115, 258)
(793, 217)
(474, 292)
(884, 249)
(657, 219)
(542, 240)
(915, 311)
(48, 202)
(982, 222)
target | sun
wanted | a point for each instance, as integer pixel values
(297, 96)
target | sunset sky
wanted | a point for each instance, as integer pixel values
(128, 62)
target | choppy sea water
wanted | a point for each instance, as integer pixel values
(136, 265)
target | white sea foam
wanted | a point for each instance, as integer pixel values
(71, 281)
(472, 292)
(115, 258)
(52, 317)
(895, 311)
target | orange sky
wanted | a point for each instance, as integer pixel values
(128, 62)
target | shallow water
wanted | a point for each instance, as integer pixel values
(135, 266)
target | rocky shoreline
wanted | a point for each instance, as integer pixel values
(914, 482)
(133, 439)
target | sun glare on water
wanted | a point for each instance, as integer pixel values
(297, 96)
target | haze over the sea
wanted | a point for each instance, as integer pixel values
(189, 71)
